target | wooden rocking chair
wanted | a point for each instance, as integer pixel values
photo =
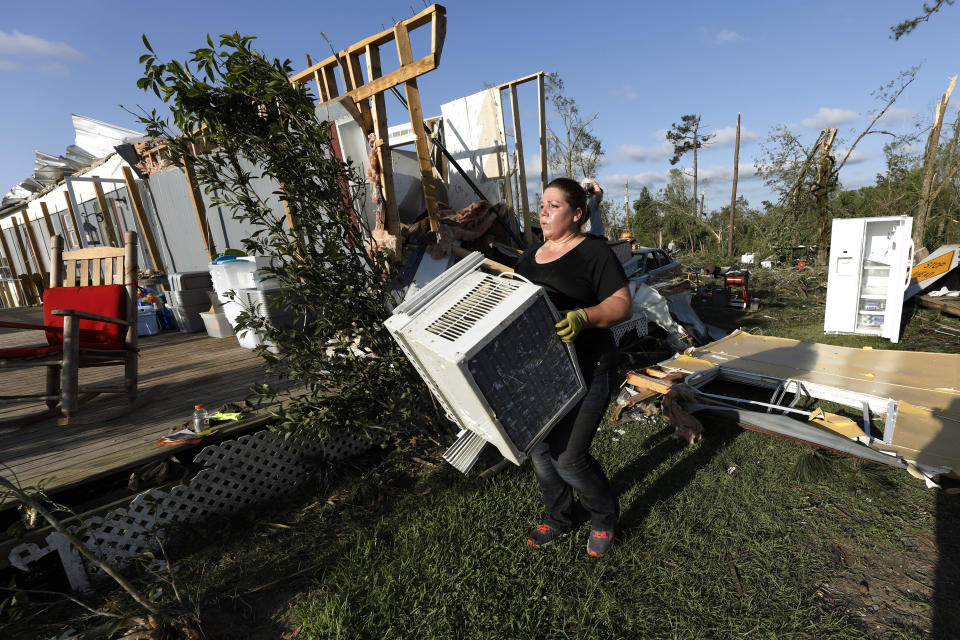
(90, 320)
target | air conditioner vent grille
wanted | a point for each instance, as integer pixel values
(473, 307)
(526, 375)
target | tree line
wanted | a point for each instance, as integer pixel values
(921, 178)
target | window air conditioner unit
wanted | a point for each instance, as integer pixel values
(487, 348)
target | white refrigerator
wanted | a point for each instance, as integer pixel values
(870, 262)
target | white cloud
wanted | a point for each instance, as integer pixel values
(53, 68)
(725, 36)
(896, 114)
(639, 153)
(613, 183)
(17, 43)
(709, 175)
(828, 117)
(855, 158)
(727, 137)
(719, 37)
(8, 65)
(627, 92)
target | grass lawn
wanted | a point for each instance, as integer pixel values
(742, 535)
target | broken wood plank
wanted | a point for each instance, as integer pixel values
(641, 381)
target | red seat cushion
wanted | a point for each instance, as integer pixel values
(25, 353)
(106, 300)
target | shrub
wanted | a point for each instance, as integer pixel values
(238, 119)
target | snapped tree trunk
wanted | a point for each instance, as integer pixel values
(928, 190)
(822, 193)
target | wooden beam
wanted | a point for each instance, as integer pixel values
(34, 245)
(405, 54)
(396, 77)
(46, 219)
(196, 198)
(523, 80)
(73, 218)
(27, 282)
(347, 61)
(10, 264)
(642, 381)
(524, 207)
(112, 236)
(321, 90)
(24, 256)
(354, 79)
(432, 13)
(541, 113)
(134, 193)
(378, 113)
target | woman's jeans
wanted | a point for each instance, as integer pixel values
(562, 463)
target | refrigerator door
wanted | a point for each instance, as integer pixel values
(885, 271)
(902, 250)
(843, 281)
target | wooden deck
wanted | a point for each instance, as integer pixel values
(177, 370)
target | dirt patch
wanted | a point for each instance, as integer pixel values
(888, 592)
(263, 615)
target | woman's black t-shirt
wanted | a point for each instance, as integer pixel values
(583, 277)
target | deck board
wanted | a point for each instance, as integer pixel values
(178, 370)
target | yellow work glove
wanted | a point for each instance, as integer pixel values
(571, 324)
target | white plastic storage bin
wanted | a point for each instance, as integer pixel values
(258, 302)
(188, 318)
(240, 273)
(217, 325)
(147, 321)
(187, 297)
(262, 302)
(186, 280)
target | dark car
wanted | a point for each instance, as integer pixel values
(649, 264)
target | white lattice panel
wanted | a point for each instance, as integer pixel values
(638, 323)
(237, 473)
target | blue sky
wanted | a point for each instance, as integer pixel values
(639, 66)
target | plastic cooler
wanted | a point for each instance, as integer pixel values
(147, 320)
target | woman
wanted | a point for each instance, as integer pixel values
(584, 279)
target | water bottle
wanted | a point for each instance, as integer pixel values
(201, 419)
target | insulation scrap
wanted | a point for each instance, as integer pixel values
(373, 179)
(470, 223)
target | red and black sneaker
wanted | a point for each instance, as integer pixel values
(543, 535)
(599, 542)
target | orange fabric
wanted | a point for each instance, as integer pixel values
(106, 300)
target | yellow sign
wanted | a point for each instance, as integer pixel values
(933, 267)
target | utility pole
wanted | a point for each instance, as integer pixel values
(733, 196)
(628, 232)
